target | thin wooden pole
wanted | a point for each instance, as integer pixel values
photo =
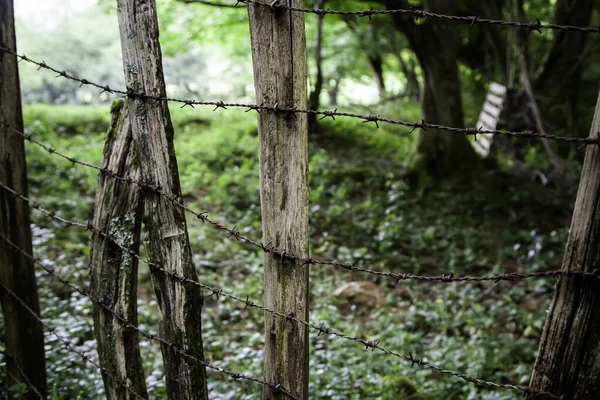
(168, 243)
(568, 361)
(24, 335)
(118, 212)
(279, 58)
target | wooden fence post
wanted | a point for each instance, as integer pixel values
(168, 244)
(24, 335)
(279, 58)
(568, 361)
(118, 213)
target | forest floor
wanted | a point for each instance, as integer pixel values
(363, 211)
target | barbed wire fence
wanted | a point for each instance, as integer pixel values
(234, 233)
(124, 321)
(320, 328)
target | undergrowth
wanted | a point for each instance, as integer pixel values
(364, 210)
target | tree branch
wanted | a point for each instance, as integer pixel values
(210, 3)
(405, 25)
(554, 159)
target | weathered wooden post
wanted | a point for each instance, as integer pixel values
(279, 58)
(168, 244)
(118, 213)
(24, 335)
(568, 361)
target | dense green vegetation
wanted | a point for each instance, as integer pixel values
(364, 211)
(372, 203)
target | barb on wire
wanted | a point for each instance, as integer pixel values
(324, 113)
(126, 323)
(416, 13)
(321, 329)
(22, 373)
(52, 330)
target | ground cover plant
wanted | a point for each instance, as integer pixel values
(364, 209)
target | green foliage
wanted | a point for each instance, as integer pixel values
(223, 157)
(66, 120)
(18, 390)
(363, 210)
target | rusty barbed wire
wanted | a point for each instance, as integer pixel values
(321, 329)
(126, 323)
(22, 373)
(233, 232)
(376, 119)
(416, 13)
(66, 343)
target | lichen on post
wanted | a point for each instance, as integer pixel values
(180, 304)
(113, 269)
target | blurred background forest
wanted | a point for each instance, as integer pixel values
(380, 197)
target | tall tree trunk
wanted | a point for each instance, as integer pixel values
(118, 212)
(168, 243)
(279, 60)
(441, 152)
(560, 75)
(435, 43)
(486, 48)
(314, 99)
(376, 63)
(568, 361)
(24, 335)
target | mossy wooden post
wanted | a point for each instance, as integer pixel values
(568, 361)
(168, 244)
(118, 213)
(23, 334)
(279, 58)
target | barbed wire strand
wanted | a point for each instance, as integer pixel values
(417, 14)
(321, 329)
(127, 324)
(66, 343)
(22, 373)
(376, 119)
(233, 232)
